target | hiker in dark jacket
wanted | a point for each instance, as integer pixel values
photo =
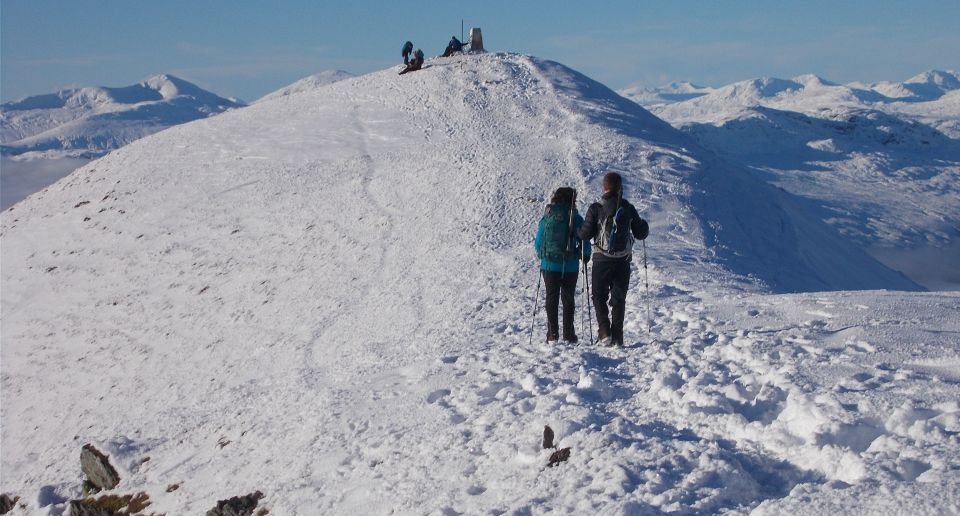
(560, 261)
(613, 223)
(453, 46)
(406, 51)
(415, 63)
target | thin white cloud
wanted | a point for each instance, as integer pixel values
(66, 61)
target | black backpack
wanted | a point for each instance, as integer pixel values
(614, 236)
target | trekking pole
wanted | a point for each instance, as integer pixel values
(586, 283)
(583, 311)
(536, 298)
(646, 286)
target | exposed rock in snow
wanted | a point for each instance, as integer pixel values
(237, 506)
(96, 466)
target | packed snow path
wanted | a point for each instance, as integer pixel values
(326, 297)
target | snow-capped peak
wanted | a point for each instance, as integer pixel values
(167, 85)
(92, 120)
(946, 79)
(812, 81)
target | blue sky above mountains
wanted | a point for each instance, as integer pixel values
(247, 49)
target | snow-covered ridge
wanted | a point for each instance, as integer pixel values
(94, 120)
(930, 98)
(326, 296)
(309, 83)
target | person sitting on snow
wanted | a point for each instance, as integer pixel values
(414, 63)
(453, 46)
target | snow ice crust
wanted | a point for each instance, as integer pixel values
(326, 297)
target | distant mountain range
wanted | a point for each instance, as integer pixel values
(931, 97)
(45, 137)
(881, 161)
(89, 122)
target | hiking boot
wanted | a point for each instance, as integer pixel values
(603, 338)
(552, 338)
(572, 338)
(615, 343)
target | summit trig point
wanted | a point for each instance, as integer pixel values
(476, 40)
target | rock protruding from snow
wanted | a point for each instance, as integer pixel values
(237, 506)
(547, 437)
(7, 503)
(561, 455)
(96, 466)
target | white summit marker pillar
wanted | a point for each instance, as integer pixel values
(476, 40)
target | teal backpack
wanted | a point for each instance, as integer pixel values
(558, 243)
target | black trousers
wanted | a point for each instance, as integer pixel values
(412, 67)
(611, 280)
(560, 285)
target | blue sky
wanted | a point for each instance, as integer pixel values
(247, 48)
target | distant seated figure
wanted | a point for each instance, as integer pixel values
(414, 63)
(453, 46)
(407, 49)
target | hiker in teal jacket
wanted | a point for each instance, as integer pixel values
(560, 271)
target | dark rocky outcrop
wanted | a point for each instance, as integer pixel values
(559, 456)
(7, 503)
(547, 437)
(237, 506)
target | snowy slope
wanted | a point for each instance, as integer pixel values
(308, 83)
(45, 137)
(91, 121)
(326, 298)
(881, 161)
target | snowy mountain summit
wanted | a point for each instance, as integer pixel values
(326, 297)
(91, 121)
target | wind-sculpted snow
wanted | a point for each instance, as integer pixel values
(326, 298)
